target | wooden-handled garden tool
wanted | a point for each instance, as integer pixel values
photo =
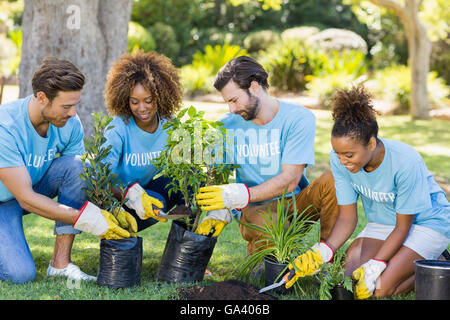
(286, 278)
(164, 215)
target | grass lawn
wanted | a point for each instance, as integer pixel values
(431, 138)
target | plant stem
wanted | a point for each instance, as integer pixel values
(197, 218)
(185, 192)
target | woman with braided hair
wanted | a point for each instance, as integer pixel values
(408, 213)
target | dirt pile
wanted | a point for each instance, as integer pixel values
(225, 290)
(181, 210)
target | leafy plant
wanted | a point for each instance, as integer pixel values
(198, 76)
(197, 79)
(9, 56)
(283, 238)
(325, 86)
(217, 56)
(165, 39)
(288, 64)
(394, 84)
(139, 38)
(332, 274)
(193, 156)
(97, 174)
(351, 62)
(261, 40)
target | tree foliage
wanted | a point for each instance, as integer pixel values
(192, 158)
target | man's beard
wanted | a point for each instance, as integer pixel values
(252, 108)
(48, 116)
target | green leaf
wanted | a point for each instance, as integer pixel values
(192, 112)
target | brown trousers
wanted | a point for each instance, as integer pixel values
(320, 193)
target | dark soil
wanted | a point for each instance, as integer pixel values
(225, 290)
(181, 210)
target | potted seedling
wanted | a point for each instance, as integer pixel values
(333, 282)
(282, 241)
(120, 260)
(193, 158)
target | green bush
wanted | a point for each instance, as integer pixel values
(217, 56)
(197, 78)
(260, 40)
(288, 65)
(292, 63)
(440, 58)
(335, 70)
(394, 83)
(139, 38)
(350, 62)
(166, 40)
(10, 54)
(325, 86)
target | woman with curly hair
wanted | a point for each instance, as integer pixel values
(408, 213)
(142, 92)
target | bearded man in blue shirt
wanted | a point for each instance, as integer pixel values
(273, 143)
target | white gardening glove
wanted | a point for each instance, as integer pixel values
(231, 196)
(309, 263)
(142, 203)
(215, 220)
(366, 277)
(98, 222)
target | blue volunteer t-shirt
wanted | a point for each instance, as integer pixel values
(261, 150)
(133, 149)
(21, 145)
(401, 184)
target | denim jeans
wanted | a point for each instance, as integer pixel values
(158, 189)
(61, 180)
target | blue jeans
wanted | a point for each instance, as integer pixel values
(62, 180)
(157, 189)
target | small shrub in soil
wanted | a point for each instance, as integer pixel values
(224, 290)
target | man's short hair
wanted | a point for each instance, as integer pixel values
(242, 70)
(54, 75)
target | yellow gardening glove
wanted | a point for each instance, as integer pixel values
(231, 196)
(126, 221)
(143, 204)
(366, 278)
(309, 263)
(361, 290)
(98, 222)
(114, 230)
(209, 225)
(214, 221)
(151, 207)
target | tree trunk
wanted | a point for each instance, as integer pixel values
(89, 33)
(419, 47)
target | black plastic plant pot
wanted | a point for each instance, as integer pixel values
(432, 280)
(338, 292)
(274, 272)
(120, 263)
(186, 255)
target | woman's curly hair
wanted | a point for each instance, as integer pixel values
(155, 72)
(354, 115)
